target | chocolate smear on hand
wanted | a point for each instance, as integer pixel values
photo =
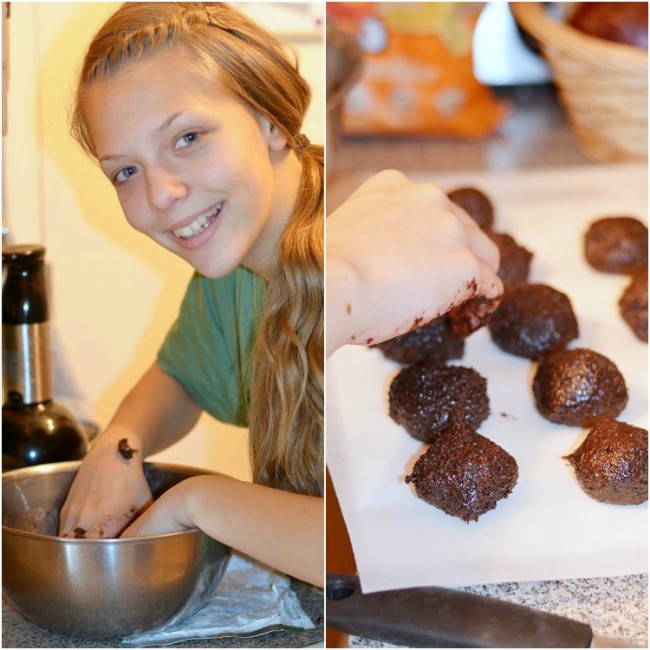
(79, 533)
(472, 314)
(125, 449)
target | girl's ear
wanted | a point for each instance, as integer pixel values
(275, 139)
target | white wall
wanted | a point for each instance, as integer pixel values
(114, 292)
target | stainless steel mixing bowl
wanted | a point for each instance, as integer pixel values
(99, 588)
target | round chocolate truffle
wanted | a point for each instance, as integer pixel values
(464, 473)
(427, 397)
(578, 387)
(617, 245)
(611, 464)
(475, 203)
(515, 259)
(533, 319)
(436, 340)
(634, 305)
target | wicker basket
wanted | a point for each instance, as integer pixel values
(602, 85)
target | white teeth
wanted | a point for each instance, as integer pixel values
(199, 224)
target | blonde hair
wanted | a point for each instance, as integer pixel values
(286, 408)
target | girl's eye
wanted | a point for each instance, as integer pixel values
(187, 139)
(124, 174)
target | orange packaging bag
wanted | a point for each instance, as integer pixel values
(418, 77)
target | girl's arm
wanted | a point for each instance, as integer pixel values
(110, 487)
(399, 254)
(155, 413)
(281, 529)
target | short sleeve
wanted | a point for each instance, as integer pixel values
(208, 348)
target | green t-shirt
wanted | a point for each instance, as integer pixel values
(208, 348)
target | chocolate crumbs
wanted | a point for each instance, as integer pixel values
(125, 449)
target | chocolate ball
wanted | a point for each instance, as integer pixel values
(533, 319)
(464, 473)
(427, 397)
(578, 387)
(436, 340)
(617, 245)
(633, 304)
(515, 260)
(475, 203)
(611, 464)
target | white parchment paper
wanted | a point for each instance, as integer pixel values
(547, 528)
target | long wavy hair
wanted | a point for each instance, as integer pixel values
(286, 399)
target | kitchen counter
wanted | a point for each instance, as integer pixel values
(614, 607)
(18, 632)
(536, 136)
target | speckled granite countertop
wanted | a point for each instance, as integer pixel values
(535, 136)
(614, 607)
(18, 632)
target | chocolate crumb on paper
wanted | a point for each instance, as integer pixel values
(79, 533)
(125, 449)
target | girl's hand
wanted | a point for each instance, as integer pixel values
(108, 491)
(400, 254)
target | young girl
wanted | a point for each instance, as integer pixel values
(194, 113)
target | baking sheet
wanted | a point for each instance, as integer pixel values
(547, 528)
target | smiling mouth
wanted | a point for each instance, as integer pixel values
(199, 224)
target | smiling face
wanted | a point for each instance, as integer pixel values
(194, 168)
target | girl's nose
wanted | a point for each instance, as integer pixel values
(164, 188)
